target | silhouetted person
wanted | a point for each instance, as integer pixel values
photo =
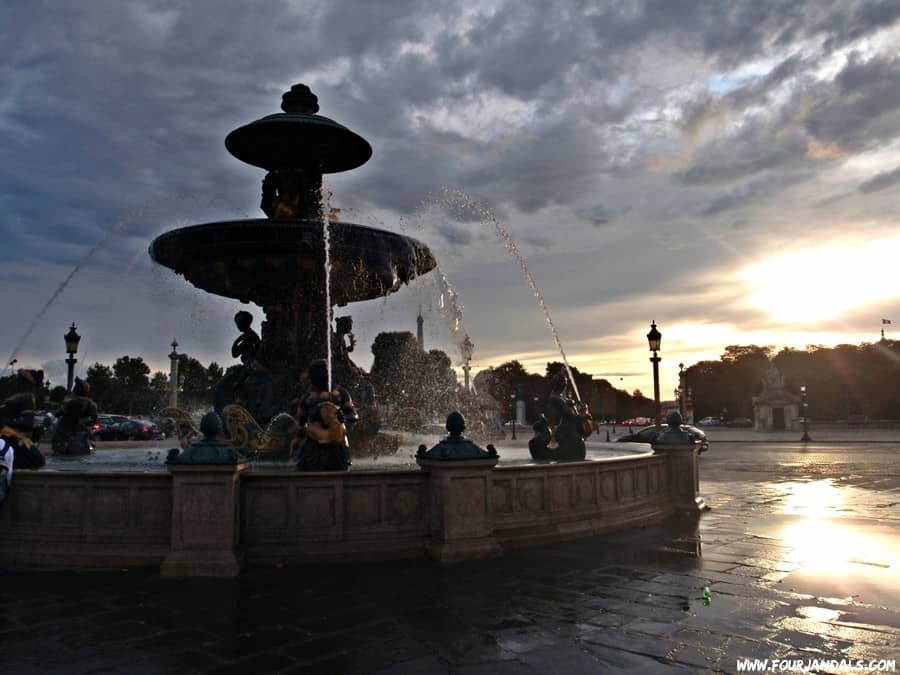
(17, 421)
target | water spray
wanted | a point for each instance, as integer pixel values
(457, 198)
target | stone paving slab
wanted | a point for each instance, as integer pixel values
(622, 603)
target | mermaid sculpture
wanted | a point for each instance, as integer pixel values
(566, 421)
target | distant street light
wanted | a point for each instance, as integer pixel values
(513, 398)
(654, 337)
(805, 438)
(72, 339)
(681, 389)
(11, 364)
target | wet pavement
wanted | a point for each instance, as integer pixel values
(800, 552)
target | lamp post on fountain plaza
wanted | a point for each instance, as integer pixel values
(513, 399)
(654, 337)
(72, 339)
(681, 389)
(805, 406)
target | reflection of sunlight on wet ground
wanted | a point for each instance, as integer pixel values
(829, 544)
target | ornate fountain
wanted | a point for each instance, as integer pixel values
(279, 262)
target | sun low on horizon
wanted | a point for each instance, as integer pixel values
(824, 282)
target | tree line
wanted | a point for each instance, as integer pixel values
(842, 382)
(128, 388)
(510, 382)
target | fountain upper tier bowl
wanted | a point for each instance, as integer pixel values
(281, 261)
(289, 140)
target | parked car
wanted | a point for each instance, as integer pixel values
(710, 422)
(102, 428)
(739, 422)
(136, 430)
(648, 435)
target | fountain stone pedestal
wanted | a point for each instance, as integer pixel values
(460, 523)
(684, 466)
(205, 507)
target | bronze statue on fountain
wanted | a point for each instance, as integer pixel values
(566, 421)
(279, 263)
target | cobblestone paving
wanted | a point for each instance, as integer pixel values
(800, 552)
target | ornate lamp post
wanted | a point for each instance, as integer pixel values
(513, 406)
(681, 389)
(654, 337)
(72, 339)
(805, 406)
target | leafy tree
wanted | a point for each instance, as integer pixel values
(159, 391)
(405, 376)
(103, 386)
(132, 384)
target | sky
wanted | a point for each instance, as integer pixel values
(727, 169)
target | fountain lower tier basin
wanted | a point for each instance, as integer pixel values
(273, 262)
(213, 520)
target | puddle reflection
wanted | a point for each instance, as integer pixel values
(825, 538)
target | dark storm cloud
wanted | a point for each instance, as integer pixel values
(857, 110)
(751, 191)
(117, 112)
(864, 107)
(883, 180)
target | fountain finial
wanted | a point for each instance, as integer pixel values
(300, 100)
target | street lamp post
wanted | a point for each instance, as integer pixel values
(654, 337)
(805, 438)
(681, 389)
(72, 339)
(513, 398)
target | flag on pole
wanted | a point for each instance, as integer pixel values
(885, 322)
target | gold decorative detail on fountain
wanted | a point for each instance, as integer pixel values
(330, 429)
(278, 439)
(181, 425)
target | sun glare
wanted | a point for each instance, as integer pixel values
(824, 283)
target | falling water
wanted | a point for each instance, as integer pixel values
(326, 240)
(117, 227)
(456, 198)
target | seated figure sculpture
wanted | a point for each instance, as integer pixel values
(76, 416)
(323, 414)
(254, 383)
(247, 343)
(566, 421)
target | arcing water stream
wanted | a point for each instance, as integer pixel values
(117, 227)
(458, 199)
(326, 241)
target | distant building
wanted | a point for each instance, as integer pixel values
(775, 408)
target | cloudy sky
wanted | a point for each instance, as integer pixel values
(729, 169)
